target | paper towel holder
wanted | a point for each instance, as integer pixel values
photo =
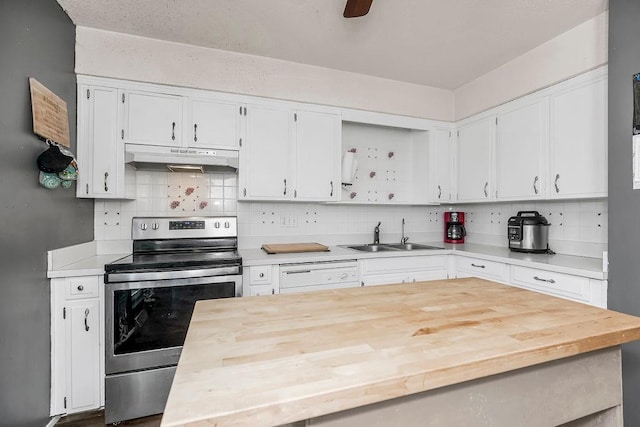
(349, 167)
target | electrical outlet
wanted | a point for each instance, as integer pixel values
(112, 218)
(288, 220)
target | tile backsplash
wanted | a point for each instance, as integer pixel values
(167, 194)
(578, 227)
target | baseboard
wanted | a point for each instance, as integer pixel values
(52, 422)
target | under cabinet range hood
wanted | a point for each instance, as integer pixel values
(173, 159)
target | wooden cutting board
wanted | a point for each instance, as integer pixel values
(289, 248)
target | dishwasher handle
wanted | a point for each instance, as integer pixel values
(297, 272)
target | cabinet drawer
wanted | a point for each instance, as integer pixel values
(260, 275)
(83, 287)
(402, 264)
(558, 284)
(261, 290)
(491, 270)
(418, 276)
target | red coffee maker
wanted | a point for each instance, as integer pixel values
(454, 230)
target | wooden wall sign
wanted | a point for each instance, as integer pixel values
(50, 116)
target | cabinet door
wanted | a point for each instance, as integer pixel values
(521, 137)
(317, 156)
(475, 142)
(442, 165)
(558, 284)
(579, 141)
(83, 354)
(474, 267)
(386, 279)
(152, 119)
(214, 124)
(100, 149)
(266, 155)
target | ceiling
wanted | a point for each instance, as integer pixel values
(440, 43)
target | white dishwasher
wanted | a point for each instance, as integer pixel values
(313, 276)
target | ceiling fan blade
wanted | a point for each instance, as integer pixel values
(356, 8)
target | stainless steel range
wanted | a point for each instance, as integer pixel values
(149, 299)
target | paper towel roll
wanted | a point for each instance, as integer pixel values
(349, 167)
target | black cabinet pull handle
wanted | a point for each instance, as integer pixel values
(477, 265)
(173, 131)
(86, 319)
(195, 132)
(544, 280)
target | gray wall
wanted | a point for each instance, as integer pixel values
(36, 40)
(624, 203)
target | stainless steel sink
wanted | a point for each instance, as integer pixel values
(371, 248)
(390, 247)
(410, 246)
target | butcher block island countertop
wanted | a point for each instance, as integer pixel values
(272, 360)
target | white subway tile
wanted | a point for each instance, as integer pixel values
(217, 180)
(230, 193)
(143, 177)
(174, 178)
(217, 193)
(230, 180)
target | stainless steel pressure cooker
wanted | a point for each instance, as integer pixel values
(528, 231)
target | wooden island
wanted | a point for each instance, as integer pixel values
(445, 353)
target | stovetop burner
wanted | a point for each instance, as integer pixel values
(175, 260)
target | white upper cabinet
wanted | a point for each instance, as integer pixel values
(152, 118)
(317, 142)
(475, 156)
(214, 124)
(265, 155)
(521, 141)
(289, 155)
(442, 149)
(579, 140)
(551, 144)
(100, 149)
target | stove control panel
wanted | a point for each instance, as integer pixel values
(144, 228)
(188, 225)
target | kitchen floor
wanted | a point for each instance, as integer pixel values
(96, 419)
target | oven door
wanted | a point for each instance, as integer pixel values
(147, 321)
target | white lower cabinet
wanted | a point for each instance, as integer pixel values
(385, 271)
(77, 344)
(476, 267)
(576, 288)
(260, 280)
(264, 279)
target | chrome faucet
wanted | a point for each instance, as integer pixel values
(403, 239)
(376, 234)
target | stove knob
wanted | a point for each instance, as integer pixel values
(154, 226)
(216, 225)
(143, 226)
(226, 225)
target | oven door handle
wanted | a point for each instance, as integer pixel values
(173, 274)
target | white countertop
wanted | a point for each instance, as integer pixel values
(93, 264)
(569, 264)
